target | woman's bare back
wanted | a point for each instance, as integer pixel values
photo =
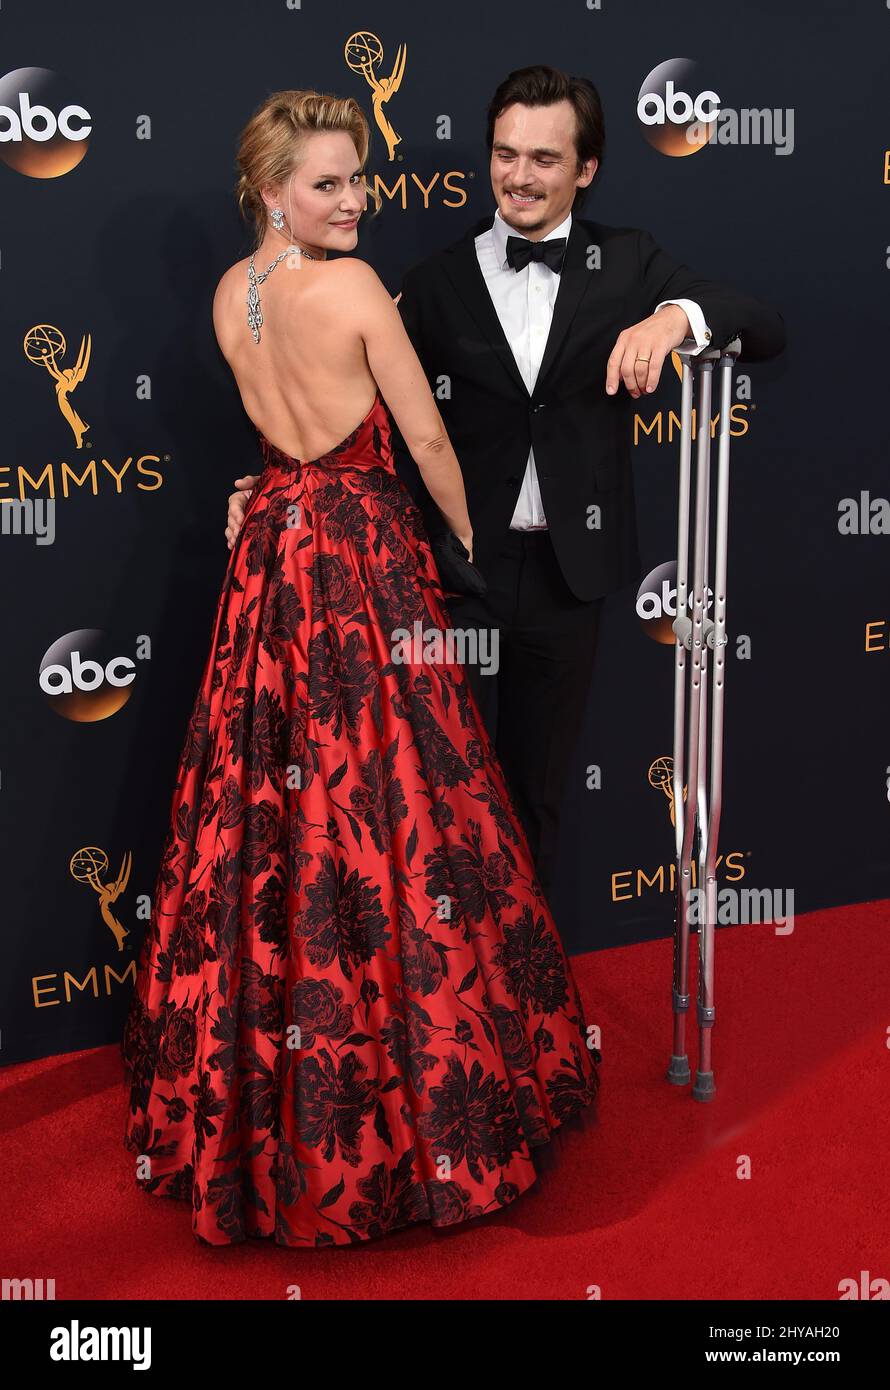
(332, 337)
(307, 383)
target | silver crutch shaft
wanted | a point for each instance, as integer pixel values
(704, 1088)
(678, 1070)
(697, 633)
(691, 632)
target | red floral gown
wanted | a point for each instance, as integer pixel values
(352, 1009)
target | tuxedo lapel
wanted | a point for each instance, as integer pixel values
(462, 268)
(573, 284)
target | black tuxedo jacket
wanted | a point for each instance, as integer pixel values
(581, 436)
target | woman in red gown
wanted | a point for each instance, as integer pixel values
(352, 1010)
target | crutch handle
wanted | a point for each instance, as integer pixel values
(688, 349)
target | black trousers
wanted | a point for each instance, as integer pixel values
(534, 705)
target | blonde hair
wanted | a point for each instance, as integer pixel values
(270, 143)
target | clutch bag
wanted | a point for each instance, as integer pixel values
(456, 571)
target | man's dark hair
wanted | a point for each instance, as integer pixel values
(544, 86)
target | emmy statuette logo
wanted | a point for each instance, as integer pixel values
(364, 55)
(44, 345)
(89, 865)
(661, 777)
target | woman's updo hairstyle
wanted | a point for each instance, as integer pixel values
(269, 147)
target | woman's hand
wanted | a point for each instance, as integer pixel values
(466, 539)
(238, 505)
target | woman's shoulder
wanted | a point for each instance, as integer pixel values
(361, 288)
(232, 282)
(348, 288)
(350, 269)
(345, 284)
(353, 273)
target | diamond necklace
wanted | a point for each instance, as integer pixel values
(254, 312)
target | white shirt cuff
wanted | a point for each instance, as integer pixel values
(700, 330)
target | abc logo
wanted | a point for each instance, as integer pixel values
(657, 603)
(43, 132)
(83, 677)
(673, 120)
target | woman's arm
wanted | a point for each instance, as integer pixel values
(403, 385)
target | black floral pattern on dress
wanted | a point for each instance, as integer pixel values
(352, 1009)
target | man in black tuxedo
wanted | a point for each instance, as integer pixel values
(526, 327)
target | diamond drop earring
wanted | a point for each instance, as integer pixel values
(277, 219)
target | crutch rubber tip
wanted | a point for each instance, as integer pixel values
(678, 1072)
(704, 1088)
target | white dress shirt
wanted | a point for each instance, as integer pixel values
(524, 300)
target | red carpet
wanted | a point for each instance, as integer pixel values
(648, 1205)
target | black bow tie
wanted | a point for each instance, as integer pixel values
(520, 251)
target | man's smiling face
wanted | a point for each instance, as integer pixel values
(534, 166)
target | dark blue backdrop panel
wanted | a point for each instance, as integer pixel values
(120, 251)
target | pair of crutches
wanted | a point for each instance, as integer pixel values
(698, 760)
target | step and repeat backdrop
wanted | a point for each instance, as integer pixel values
(118, 126)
